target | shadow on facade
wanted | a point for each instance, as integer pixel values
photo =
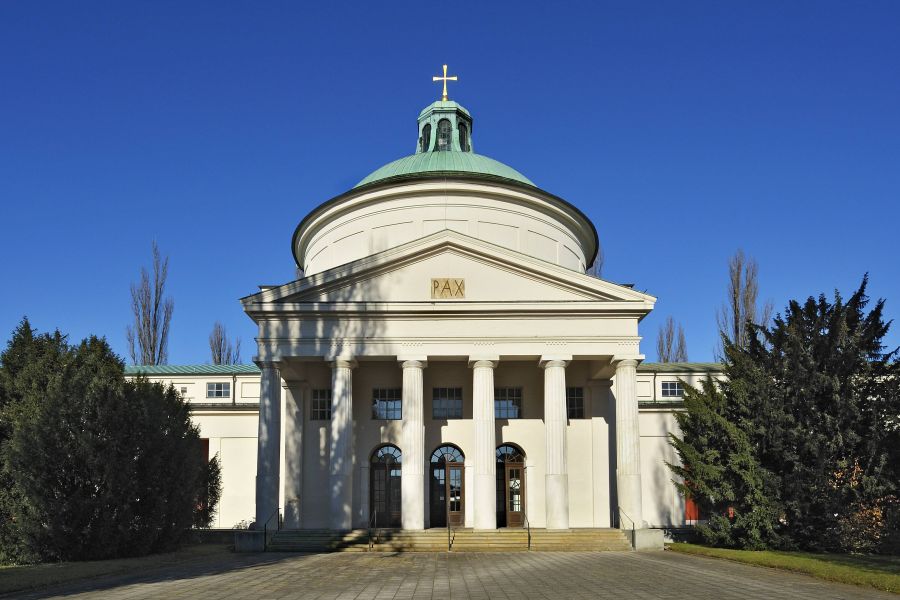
(329, 317)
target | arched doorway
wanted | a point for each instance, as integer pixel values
(384, 487)
(510, 486)
(447, 483)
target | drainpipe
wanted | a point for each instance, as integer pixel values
(233, 388)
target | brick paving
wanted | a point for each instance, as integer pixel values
(413, 576)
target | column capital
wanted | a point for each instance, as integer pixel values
(554, 361)
(476, 362)
(412, 363)
(268, 364)
(621, 363)
(346, 362)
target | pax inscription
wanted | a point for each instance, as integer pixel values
(448, 287)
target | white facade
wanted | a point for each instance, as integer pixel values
(230, 424)
(445, 358)
(227, 416)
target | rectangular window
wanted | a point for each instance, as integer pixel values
(672, 389)
(508, 403)
(218, 390)
(575, 402)
(320, 407)
(446, 403)
(386, 404)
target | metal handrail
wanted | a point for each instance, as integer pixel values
(449, 543)
(528, 528)
(266, 527)
(622, 512)
(373, 524)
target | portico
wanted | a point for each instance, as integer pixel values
(445, 358)
(340, 451)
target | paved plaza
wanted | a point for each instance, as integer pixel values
(460, 575)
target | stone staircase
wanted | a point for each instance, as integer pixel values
(461, 540)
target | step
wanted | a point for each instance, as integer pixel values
(462, 540)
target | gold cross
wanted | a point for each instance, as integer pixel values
(445, 79)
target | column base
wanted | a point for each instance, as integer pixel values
(630, 511)
(291, 514)
(485, 502)
(557, 487)
(341, 502)
(413, 501)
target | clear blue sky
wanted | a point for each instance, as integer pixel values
(683, 129)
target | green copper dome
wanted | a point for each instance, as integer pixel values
(444, 147)
(445, 163)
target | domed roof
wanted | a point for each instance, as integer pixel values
(437, 163)
(444, 147)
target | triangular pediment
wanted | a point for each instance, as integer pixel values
(449, 268)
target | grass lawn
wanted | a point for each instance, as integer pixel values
(27, 577)
(881, 572)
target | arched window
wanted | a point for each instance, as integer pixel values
(507, 453)
(446, 454)
(387, 455)
(463, 137)
(445, 131)
(426, 137)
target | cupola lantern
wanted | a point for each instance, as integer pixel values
(444, 126)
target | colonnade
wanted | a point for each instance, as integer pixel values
(483, 496)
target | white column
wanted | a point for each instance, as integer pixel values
(412, 481)
(293, 454)
(485, 492)
(341, 449)
(268, 457)
(628, 445)
(556, 419)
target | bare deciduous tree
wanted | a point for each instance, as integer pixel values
(671, 345)
(222, 350)
(148, 338)
(741, 306)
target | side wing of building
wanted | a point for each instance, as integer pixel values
(225, 402)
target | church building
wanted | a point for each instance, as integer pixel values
(445, 360)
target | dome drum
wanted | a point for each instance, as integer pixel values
(444, 186)
(366, 222)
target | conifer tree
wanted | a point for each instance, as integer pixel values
(799, 446)
(92, 465)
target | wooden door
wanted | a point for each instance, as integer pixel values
(448, 495)
(514, 491)
(385, 494)
(455, 499)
